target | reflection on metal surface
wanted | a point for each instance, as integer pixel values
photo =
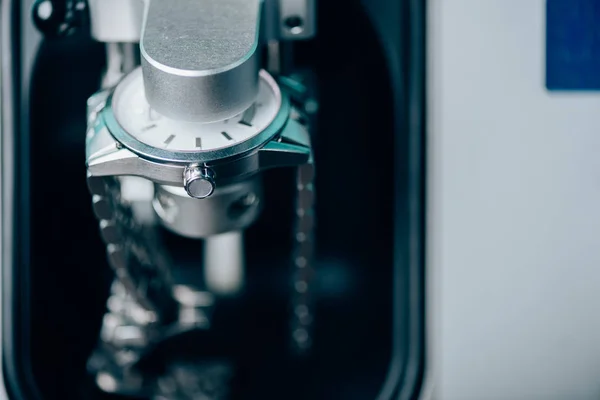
(224, 263)
(297, 19)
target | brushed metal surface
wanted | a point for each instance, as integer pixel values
(200, 58)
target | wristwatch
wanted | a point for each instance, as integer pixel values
(207, 181)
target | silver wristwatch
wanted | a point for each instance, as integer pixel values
(206, 178)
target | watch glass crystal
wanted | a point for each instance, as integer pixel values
(134, 115)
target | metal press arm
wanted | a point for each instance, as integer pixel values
(200, 57)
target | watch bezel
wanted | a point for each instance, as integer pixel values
(108, 118)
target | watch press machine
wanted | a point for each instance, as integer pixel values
(212, 199)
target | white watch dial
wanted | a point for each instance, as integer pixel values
(134, 115)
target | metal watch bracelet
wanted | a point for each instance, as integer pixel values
(145, 306)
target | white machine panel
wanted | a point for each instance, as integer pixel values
(514, 211)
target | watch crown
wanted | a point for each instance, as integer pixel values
(198, 181)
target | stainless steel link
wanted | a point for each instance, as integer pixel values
(127, 330)
(302, 89)
(302, 261)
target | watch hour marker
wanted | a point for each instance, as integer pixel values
(147, 128)
(248, 116)
(226, 136)
(199, 142)
(169, 140)
(153, 115)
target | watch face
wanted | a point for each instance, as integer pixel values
(134, 115)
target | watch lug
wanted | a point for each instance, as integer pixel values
(295, 133)
(106, 157)
(291, 148)
(112, 162)
(99, 143)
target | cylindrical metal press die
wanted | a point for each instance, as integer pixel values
(205, 67)
(230, 207)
